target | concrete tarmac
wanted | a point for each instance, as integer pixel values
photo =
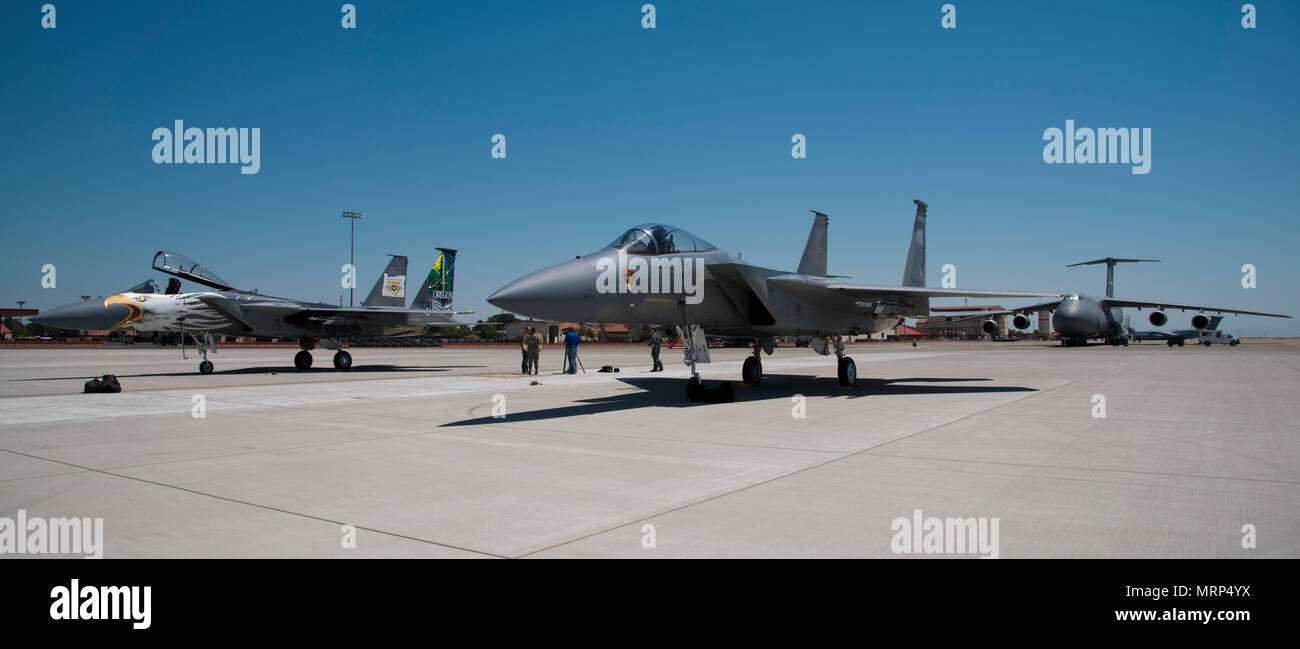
(1195, 445)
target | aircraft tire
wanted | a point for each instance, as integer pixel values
(302, 360)
(342, 360)
(205, 367)
(752, 372)
(848, 372)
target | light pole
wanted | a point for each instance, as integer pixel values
(20, 308)
(352, 217)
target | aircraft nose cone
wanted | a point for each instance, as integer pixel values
(91, 315)
(550, 293)
(1067, 320)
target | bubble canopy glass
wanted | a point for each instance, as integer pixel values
(659, 239)
(183, 267)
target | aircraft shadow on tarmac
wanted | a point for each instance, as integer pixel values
(287, 369)
(671, 392)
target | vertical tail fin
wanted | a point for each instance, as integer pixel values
(1110, 269)
(813, 261)
(390, 288)
(914, 271)
(436, 294)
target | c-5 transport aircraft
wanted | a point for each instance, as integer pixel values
(1078, 317)
(659, 274)
(228, 310)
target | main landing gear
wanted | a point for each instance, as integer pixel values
(751, 373)
(342, 360)
(302, 360)
(847, 370)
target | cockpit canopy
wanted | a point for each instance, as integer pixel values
(659, 239)
(183, 267)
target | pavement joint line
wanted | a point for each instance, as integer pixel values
(257, 505)
(1086, 468)
(1279, 359)
(353, 379)
(723, 494)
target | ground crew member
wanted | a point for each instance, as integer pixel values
(523, 350)
(655, 342)
(533, 347)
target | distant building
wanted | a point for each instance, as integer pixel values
(941, 316)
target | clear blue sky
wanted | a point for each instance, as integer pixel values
(609, 125)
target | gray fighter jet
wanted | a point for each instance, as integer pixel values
(226, 310)
(663, 275)
(1078, 317)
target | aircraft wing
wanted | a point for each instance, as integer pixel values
(1033, 308)
(291, 311)
(825, 291)
(921, 291)
(1139, 304)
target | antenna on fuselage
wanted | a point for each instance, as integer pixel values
(1110, 269)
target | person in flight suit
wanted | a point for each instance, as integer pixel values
(523, 350)
(655, 342)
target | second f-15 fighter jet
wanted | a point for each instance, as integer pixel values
(659, 274)
(227, 310)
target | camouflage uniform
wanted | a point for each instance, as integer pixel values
(655, 342)
(532, 352)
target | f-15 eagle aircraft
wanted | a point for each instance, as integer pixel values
(1078, 317)
(227, 310)
(659, 274)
